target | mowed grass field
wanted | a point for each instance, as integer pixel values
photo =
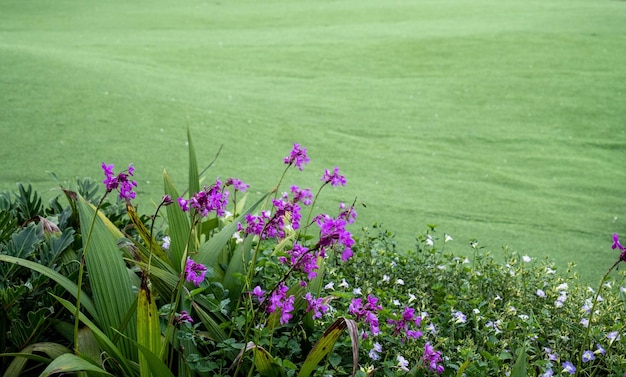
(499, 120)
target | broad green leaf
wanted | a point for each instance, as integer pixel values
(178, 224)
(148, 327)
(53, 350)
(156, 365)
(66, 283)
(214, 330)
(326, 343)
(69, 362)
(263, 361)
(108, 276)
(105, 342)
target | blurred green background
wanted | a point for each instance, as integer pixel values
(497, 120)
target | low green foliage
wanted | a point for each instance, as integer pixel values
(223, 288)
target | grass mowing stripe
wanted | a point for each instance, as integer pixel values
(495, 119)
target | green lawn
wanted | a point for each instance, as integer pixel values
(495, 119)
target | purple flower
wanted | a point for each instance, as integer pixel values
(548, 373)
(302, 259)
(366, 311)
(237, 184)
(553, 356)
(287, 308)
(213, 198)
(618, 245)
(315, 305)
(183, 317)
(302, 195)
(297, 157)
(432, 358)
(569, 367)
(333, 233)
(195, 272)
(373, 354)
(402, 325)
(334, 178)
(258, 292)
(588, 356)
(120, 182)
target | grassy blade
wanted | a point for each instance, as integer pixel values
(325, 345)
(53, 350)
(178, 224)
(148, 328)
(108, 276)
(156, 366)
(194, 177)
(66, 283)
(71, 363)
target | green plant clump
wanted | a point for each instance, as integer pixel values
(218, 287)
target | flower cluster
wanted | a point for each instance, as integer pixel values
(316, 305)
(195, 272)
(297, 157)
(213, 198)
(120, 182)
(278, 300)
(366, 311)
(401, 326)
(334, 178)
(333, 232)
(432, 359)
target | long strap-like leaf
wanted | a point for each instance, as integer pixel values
(108, 276)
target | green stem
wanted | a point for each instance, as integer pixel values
(593, 308)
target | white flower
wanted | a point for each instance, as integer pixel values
(385, 278)
(523, 317)
(429, 240)
(584, 322)
(441, 267)
(356, 291)
(399, 282)
(412, 297)
(447, 238)
(344, 284)
(541, 293)
(459, 317)
(466, 261)
(431, 329)
(330, 286)
(397, 302)
(526, 258)
(550, 271)
(613, 336)
(476, 311)
(608, 284)
(403, 363)
(498, 298)
(237, 237)
(562, 287)
(166, 242)
(623, 289)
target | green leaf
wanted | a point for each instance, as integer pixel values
(326, 343)
(103, 340)
(178, 224)
(144, 233)
(519, 369)
(148, 327)
(69, 362)
(66, 283)
(53, 350)
(108, 276)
